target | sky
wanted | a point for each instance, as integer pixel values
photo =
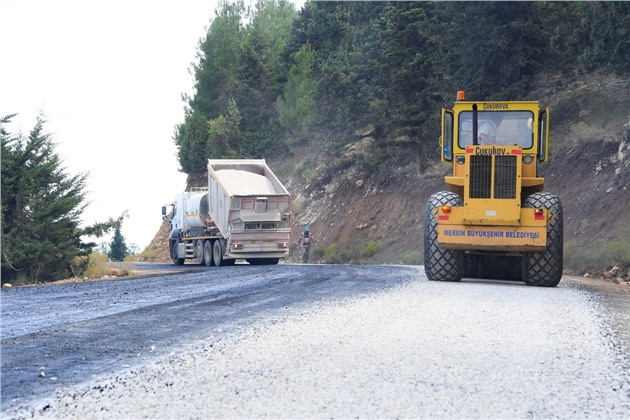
(108, 77)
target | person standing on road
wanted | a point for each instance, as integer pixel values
(306, 240)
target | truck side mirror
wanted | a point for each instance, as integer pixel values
(163, 211)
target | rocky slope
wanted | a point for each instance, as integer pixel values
(357, 218)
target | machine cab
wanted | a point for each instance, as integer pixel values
(499, 124)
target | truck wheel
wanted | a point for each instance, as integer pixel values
(545, 268)
(199, 251)
(176, 261)
(440, 264)
(207, 253)
(217, 253)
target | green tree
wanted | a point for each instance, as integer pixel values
(224, 135)
(218, 57)
(192, 141)
(41, 207)
(296, 107)
(239, 74)
(118, 248)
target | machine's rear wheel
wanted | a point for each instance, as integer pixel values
(199, 251)
(545, 268)
(440, 264)
(207, 253)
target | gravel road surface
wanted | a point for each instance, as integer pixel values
(309, 341)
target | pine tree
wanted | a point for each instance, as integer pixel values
(41, 209)
(118, 248)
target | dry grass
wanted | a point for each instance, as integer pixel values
(97, 266)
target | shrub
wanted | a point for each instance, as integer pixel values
(97, 266)
(147, 255)
(371, 249)
(615, 252)
(332, 255)
(317, 253)
(412, 258)
(305, 170)
(619, 251)
(298, 205)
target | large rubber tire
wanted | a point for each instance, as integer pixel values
(440, 264)
(199, 251)
(207, 253)
(176, 261)
(217, 253)
(493, 267)
(545, 268)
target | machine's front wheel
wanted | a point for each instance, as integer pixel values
(440, 264)
(545, 268)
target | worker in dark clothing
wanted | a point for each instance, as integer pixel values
(306, 240)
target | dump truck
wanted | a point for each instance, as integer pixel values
(244, 213)
(494, 220)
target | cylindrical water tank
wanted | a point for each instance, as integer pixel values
(196, 210)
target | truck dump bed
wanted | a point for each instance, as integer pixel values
(249, 205)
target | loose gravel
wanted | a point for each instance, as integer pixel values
(423, 349)
(239, 182)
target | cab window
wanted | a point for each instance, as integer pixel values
(499, 127)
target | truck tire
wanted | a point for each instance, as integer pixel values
(199, 251)
(207, 253)
(176, 261)
(217, 253)
(440, 264)
(545, 268)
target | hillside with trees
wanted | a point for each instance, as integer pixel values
(343, 99)
(269, 80)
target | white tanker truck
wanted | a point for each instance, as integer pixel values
(244, 213)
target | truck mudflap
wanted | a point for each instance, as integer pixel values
(529, 236)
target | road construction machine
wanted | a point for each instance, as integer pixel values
(494, 221)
